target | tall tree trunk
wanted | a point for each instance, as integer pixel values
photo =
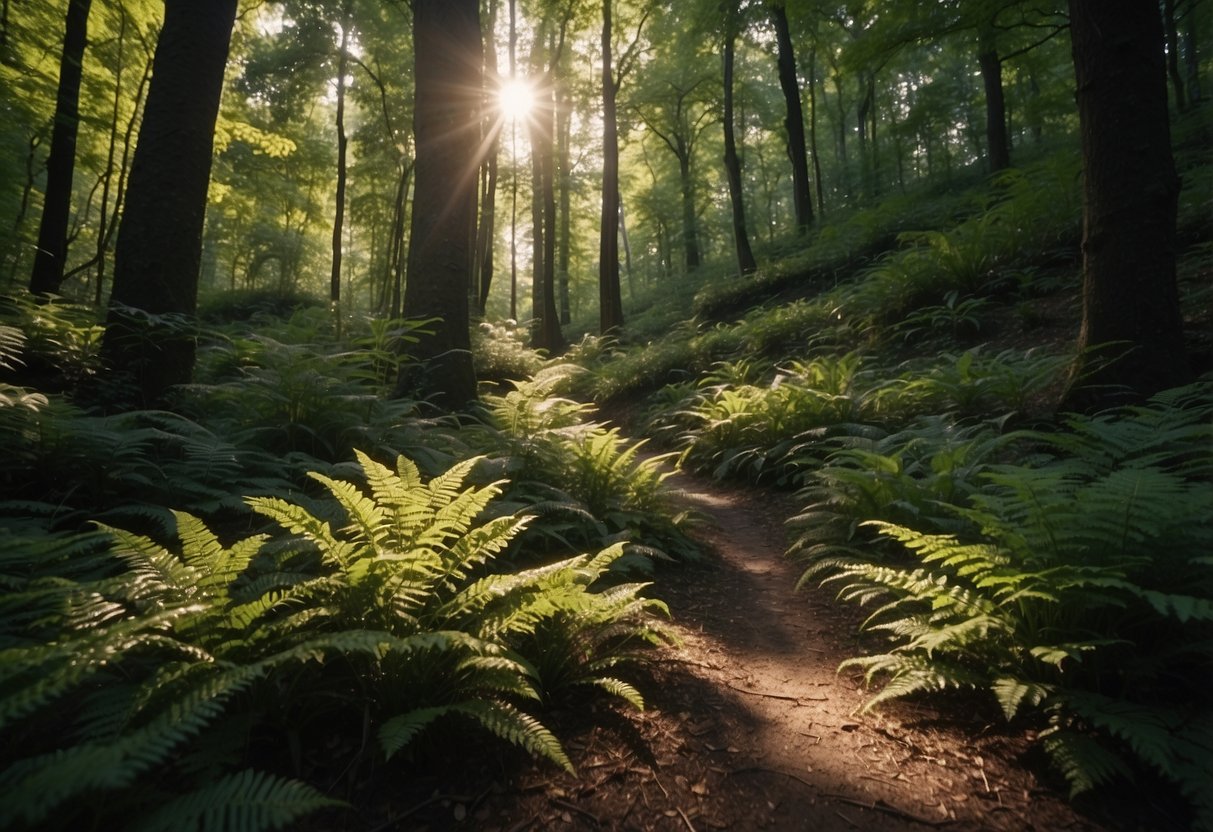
(103, 218)
(690, 222)
(538, 226)
(49, 260)
(821, 204)
(802, 200)
(1172, 35)
(746, 264)
(448, 67)
(513, 56)
(997, 144)
(1130, 194)
(400, 266)
(487, 230)
(1192, 53)
(342, 141)
(610, 302)
(563, 144)
(866, 94)
(551, 336)
(159, 246)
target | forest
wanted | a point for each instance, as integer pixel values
(390, 391)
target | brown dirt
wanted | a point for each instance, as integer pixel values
(749, 726)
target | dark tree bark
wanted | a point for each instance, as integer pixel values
(746, 264)
(343, 57)
(610, 300)
(49, 260)
(997, 143)
(103, 217)
(821, 202)
(794, 122)
(1172, 35)
(550, 336)
(565, 181)
(1130, 191)
(159, 245)
(446, 123)
(487, 229)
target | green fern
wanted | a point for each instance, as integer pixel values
(245, 801)
(1074, 588)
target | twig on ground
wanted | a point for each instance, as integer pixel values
(785, 697)
(685, 819)
(893, 811)
(573, 807)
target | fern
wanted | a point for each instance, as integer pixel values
(1073, 589)
(245, 801)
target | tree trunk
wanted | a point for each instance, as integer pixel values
(998, 146)
(159, 246)
(794, 122)
(1192, 53)
(610, 302)
(690, 230)
(342, 141)
(821, 204)
(49, 260)
(448, 65)
(1131, 339)
(563, 142)
(551, 336)
(487, 230)
(103, 217)
(732, 164)
(1172, 35)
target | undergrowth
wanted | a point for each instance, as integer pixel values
(138, 674)
(1074, 587)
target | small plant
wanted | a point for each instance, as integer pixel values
(957, 318)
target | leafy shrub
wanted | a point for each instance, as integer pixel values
(1077, 589)
(501, 355)
(587, 481)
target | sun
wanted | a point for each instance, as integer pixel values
(515, 99)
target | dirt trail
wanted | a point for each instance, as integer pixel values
(749, 726)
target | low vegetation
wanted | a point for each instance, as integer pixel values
(198, 602)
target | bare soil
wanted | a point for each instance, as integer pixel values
(749, 725)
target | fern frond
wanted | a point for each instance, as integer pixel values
(300, 521)
(620, 690)
(1012, 694)
(244, 801)
(1082, 760)
(399, 731)
(516, 728)
(31, 788)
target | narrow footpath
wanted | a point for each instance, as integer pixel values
(750, 726)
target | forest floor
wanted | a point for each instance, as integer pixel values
(749, 726)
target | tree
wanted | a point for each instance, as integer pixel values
(343, 55)
(610, 299)
(448, 61)
(678, 117)
(732, 163)
(160, 239)
(51, 255)
(1131, 339)
(794, 122)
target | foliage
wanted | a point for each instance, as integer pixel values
(1076, 588)
(586, 480)
(135, 672)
